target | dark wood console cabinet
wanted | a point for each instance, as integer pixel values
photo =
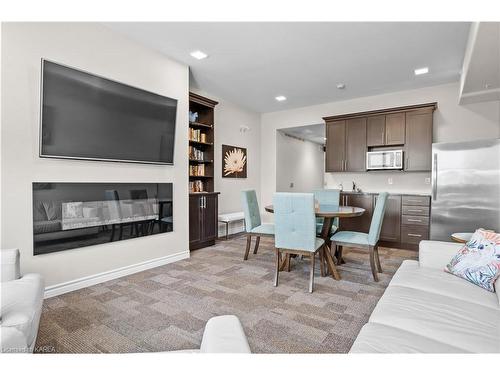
(203, 213)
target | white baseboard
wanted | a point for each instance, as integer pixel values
(69, 286)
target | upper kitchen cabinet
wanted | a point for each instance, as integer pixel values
(350, 136)
(355, 145)
(418, 140)
(395, 129)
(346, 145)
(335, 146)
(375, 131)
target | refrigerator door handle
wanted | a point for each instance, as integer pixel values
(434, 177)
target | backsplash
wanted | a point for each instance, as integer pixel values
(402, 182)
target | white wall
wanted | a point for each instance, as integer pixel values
(96, 49)
(299, 162)
(452, 122)
(229, 118)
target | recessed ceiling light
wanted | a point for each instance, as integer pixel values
(199, 55)
(421, 71)
(341, 86)
(280, 98)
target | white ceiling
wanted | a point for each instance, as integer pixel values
(481, 77)
(251, 63)
(311, 133)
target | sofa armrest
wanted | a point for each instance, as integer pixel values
(9, 265)
(20, 310)
(437, 254)
(224, 334)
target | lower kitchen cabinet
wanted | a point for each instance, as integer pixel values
(399, 229)
(391, 225)
(360, 223)
(203, 212)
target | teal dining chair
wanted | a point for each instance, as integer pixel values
(295, 232)
(368, 240)
(328, 197)
(253, 224)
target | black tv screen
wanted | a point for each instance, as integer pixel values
(89, 117)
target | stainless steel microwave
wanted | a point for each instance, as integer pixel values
(390, 159)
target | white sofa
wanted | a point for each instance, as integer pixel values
(21, 301)
(426, 310)
(224, 334)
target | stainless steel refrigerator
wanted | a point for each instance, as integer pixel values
(465, 187)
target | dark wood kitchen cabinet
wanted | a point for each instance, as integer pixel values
(375, 131)
(350, 136)
(391, 225)
(395, 129)
(346, 146)
(361, 223)
(418, 140)
(355, 149)
(335, 146)
(202, 219)
(386, 130)
(405, 223)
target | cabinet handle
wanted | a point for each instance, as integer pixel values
(345, 165)
(414, 210)
(415, 220)
(407, 162)
(413, 200)
(414, 235)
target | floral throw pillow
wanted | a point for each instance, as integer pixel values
(479, 260)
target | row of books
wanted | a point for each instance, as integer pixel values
(197, 135)
(196, 186)
(197, 170)
(196, 154)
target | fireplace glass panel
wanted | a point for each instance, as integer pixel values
(73, 215)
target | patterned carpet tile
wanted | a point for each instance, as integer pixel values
(166, 308)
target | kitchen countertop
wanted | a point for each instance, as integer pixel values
(401, 192)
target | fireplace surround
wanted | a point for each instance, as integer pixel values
(69, 215)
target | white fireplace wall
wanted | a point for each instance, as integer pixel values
(98, 50)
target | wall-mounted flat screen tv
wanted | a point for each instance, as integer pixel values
(84, 116)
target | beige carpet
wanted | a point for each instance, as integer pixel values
(166, 308)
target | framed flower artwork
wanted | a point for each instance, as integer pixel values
(234, 162)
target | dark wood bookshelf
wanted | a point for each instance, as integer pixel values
(203, 202)
(204, 126)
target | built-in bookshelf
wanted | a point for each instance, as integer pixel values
(201, 144)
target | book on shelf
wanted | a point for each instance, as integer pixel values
(197, 136)
(197, 170)
(196, 154)
(196, 186)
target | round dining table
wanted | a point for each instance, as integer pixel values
(329, 212)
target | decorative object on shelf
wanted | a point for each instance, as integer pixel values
(235, 162)
(193, 116)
